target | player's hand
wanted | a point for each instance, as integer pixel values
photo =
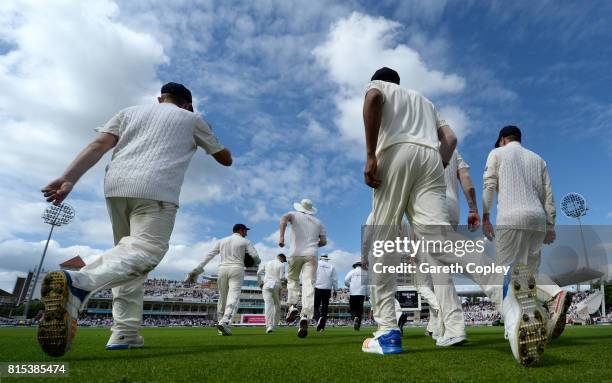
(473, 221)
(550, 237)
(281, 243)
(369, 172)
(191, 278)
(487, 230)
(57, 190)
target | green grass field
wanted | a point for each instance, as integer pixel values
(200, 355)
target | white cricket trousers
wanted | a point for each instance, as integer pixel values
(412, 184)
(522, 245)
(272, 305)
(141, 230)
(230, 283)
(306, 267)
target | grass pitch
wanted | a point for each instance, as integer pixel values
(200, 355)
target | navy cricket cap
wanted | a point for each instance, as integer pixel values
(178, 90)
(240, 226)
(386, 74)
(506, 131)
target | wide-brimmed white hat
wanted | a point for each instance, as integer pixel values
(305, 206)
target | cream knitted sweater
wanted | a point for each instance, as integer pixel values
(156, 143)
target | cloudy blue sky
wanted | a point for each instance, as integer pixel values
(281, 82)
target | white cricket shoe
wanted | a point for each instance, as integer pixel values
(525, 325)
(224, 329)
(451, 341)
(384, 343)
(557, 308)
(62, 301)
(269, 330)
(118, 341)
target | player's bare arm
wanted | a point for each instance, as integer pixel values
(372, 116)
(448, 143)
(282, 227)
(470, 196)
(57, 190)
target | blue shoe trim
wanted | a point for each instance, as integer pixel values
(391, 342)
(117, 347)
(79, 293)
(506, 285)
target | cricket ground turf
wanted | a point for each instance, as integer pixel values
(200, 355)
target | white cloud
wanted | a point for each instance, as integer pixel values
(66, 78)
(457, 119)
(355, 48)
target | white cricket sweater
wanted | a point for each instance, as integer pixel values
(524, 193)
(156, 143)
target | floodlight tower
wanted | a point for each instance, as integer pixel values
(54, 215)
(573, 205)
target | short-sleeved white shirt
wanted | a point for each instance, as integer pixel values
(305, 232)
(407, 117)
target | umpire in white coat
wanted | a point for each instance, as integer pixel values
(233, 250)
(357, 282)
(270, 277)
(325, 286)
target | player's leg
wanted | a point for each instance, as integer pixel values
(325, 296)
(223, 286)
(269, 308)
(389, 203)
(134, 256)
(127, 315)
(232, 303)
(309, 271)
(277, 305)
(127, 298)
(294, 269)
(317, 304)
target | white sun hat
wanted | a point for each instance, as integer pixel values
(305, 206)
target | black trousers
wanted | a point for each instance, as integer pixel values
(321, 303)
(356, 305)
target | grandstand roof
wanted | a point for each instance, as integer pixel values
(76, 262)
(5, 293)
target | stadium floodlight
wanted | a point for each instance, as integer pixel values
(54, 215)
(573, 205)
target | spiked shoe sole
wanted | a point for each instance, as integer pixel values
(56, 328)
(532, 333)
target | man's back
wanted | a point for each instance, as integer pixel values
(232, 249)
(274, 270)
(306, 230)
(326, 276)
(521, 178)
(155, 145)
(407, 117)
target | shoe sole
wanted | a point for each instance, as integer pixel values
(122, 347)
(303, 331)
(379, 350)
(56, 328)
(532, 332)
(456, 343)
(223, 331)
(560, 324)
